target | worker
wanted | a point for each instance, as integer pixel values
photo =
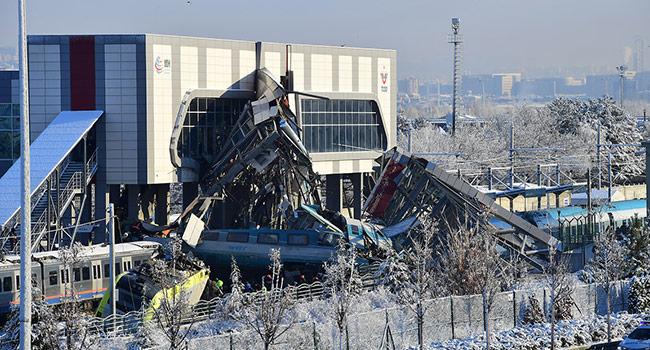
(219, 287)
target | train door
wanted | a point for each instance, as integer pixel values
(16, 289)
(127, 263)
(96, 267)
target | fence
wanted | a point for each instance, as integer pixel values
(446, 318)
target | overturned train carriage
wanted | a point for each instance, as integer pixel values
(410, 186)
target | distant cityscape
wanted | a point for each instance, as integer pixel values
(433, 98)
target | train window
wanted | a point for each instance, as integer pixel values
(77, 274)
(85, 273)
(54, 278)
(96, 273)
(107, 271)
(210, 236)
(298, 240)
(118, 269)
(6, 284)
(241, 237)
(267, 238)
(137, 263)
(17, 282)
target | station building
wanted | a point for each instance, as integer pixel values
(139, 81)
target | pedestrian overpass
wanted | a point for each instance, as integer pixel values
(63, 162)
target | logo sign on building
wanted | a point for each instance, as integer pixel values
(383, 75)
(162, 65)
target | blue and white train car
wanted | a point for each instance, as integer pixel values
(89, 277)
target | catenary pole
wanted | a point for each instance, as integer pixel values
(25, 190)
(111, 234)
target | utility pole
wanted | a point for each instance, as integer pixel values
(456, 40)
(25, 190)
(600, 171)
(111, 253)
(609, 176)
(621, 74)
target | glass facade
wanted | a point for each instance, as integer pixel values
(9, 131)
(207, 125)
(342, 126)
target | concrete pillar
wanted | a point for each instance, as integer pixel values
(333, 192)
(146, 201)
(132, 207)
(190, 192)
(162, 204)
(357, 186)
(102, 199)
(87, 205)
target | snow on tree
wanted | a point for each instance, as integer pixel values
(63, 326)
(558, 281)
(409, 276)
(639, 297)
(342, 285)
(468, 263)
(637, 249)
(533, 313)
(607, 267)
(574, 117)
(45, 330)
(270, 311)
(235, 298)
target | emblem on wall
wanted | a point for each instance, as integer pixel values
(162, 65)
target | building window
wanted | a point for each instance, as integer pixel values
(342, 126)
(207, 124)
(9, 131)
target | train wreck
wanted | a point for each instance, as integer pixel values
(265, 175)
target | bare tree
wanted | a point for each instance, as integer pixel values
(468, 263)
(560, 285)
(409, 276)
(606, 267)
(342, 284)
(269, 312)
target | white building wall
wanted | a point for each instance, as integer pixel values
(365, 74)
(218, 68)
(162, 119)
(321, 73)
(247, 69)
(272, 63)
(189, 68)
(345, 73)
(44, 86)
(298, 67)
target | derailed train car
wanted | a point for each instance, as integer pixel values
(153, 283)
(89, 278)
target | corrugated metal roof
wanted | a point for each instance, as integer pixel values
(49, 149)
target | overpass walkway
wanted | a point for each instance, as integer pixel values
(63, 161)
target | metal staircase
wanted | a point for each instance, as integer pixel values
(51, 202)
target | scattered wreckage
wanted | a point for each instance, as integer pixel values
(264, 174)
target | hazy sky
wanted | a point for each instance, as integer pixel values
(500, 35)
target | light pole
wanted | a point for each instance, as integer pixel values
(25, 190)
(455, 39)
(621, 74)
